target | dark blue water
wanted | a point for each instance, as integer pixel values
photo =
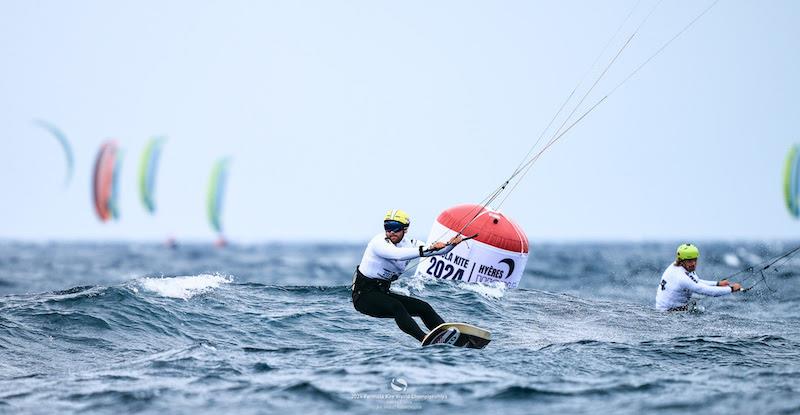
(123, 328)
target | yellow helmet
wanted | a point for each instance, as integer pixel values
(687, 251)
(398, 216)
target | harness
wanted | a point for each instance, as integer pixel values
(364, 284)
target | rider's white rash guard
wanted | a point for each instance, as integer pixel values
(384, 260)
(677, 285)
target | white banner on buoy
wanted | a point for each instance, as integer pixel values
(499, 253)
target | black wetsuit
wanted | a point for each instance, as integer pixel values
(372, 297)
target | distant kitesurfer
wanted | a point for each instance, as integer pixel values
(221, 242)
(384, 260)
(679, 281)
(171, 243)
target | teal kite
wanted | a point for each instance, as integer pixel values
(148, 168)
(62, 139)
(791, 181)
(216, 193)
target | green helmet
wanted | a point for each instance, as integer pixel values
(687, 251)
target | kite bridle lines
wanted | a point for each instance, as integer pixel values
(532, 156)
(759, 269)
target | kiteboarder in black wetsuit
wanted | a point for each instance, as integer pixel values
(384, 260)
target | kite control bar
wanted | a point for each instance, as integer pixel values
(462, 240)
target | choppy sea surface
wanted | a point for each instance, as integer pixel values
(139, 328)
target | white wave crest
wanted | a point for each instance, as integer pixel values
(184, 287)
(415, 283)
(418, 283)
(494, 289)
(748, 256)
(731, 260)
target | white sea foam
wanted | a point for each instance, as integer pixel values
(732, 260)
(184, 287)
(494, 289)
(413, 283)
(748, 256)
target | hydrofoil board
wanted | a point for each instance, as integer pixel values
(459, 335)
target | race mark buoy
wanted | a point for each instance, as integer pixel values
(498, 253)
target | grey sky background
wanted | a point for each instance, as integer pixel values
(335, 111)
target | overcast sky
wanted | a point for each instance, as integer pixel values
(334, 111)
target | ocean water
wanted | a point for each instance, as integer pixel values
(138, 328)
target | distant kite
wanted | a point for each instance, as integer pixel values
(62, 139)
(104, 181)
(791, 181)
(216, 193)
(113, 204)
(148, 168)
